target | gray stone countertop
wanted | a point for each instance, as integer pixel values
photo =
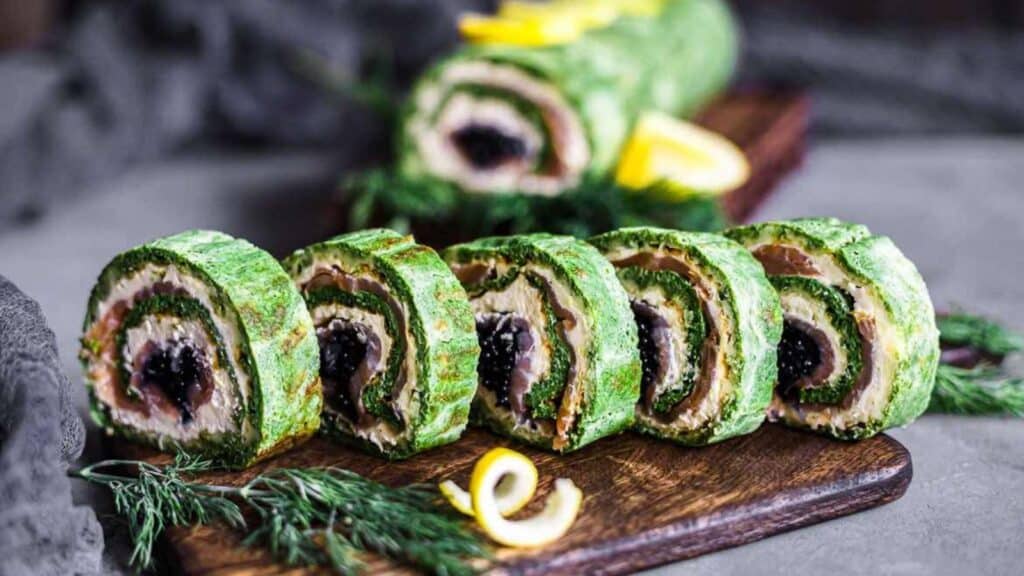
(955, 206)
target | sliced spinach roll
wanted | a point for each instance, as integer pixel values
(537, 119)
(709, 323)
(398, 347)
(860, 348)
(200, 341)
(558, 365)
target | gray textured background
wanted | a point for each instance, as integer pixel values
(953, 204)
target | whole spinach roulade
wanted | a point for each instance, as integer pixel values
(559, 366)
(859, 348)
(200, 341)
(709, 323)
(398, 348)
(538, 119)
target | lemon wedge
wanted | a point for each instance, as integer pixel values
(688, 159)
(503, 481)
(540, 29)
(513, 491)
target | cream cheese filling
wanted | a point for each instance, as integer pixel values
(103, 370)
(436, 119)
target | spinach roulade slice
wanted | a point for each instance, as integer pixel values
(709, 323)
(498, 118)
(200, 341)
(559, 366)
(860, 348)
(398, 347)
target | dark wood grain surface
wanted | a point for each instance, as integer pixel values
(646, 502)
(771, 129)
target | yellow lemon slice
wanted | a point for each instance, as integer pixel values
(513, 491)
(558, 515)
(541, 29)
(586, 14)
(688, 159)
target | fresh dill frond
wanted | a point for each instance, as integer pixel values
(303, 516)
(980, 390)
(331, 515)
(974, 384)
(439, 213)
(963, 329)
(157, 497)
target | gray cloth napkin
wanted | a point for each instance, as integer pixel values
(41, 530)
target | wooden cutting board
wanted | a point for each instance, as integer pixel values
(646, 502)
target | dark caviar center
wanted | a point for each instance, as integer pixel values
(645, 321)
(177, 368)
(498, 335)
(342, 350)
(486, 146)
(799, 356)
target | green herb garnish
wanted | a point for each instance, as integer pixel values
(979, 390)
(985, 388)
(303, 516)
(962, 329)
(384, 198)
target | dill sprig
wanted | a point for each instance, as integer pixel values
(963, 329)
(303, 516)
(979, 390)
(328, 516)
(984, 388)
(158, 497)
(440, 213)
